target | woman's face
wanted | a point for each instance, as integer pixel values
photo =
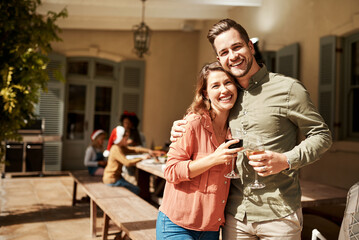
(124, 140)
(100, 140)
(127, 124)
(221, 91)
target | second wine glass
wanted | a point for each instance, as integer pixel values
(236, 134)
(254, 145)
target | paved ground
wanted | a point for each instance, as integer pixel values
(39, 208)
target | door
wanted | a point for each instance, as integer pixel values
(89, 106)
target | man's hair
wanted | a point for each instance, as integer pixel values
(223, 26)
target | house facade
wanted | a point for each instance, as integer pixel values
(314, 41)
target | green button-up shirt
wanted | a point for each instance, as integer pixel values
(275, 107)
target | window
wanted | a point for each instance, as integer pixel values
(77, 67)
(104, 70)
(351, 80)
(339, 92)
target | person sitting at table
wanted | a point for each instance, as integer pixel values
(117, 158)
(196, 188)
(94, 159)
(130, 122)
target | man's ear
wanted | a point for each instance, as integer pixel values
(251, 47)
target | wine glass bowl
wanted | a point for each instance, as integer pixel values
(254, 145)
(236, 134)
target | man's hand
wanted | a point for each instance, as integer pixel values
(268, 163)
(177, 130)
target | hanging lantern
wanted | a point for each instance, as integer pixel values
(141, 35)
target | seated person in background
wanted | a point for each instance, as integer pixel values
(94, 159)
(130, 122)
(117, 158)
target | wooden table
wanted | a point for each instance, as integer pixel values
(145, 169)
(313, 193)
(316, 194)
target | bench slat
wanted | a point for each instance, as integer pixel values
(134, 215)
(131, 213)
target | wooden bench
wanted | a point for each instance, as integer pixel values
(133, 215)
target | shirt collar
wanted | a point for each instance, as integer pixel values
(257, 78)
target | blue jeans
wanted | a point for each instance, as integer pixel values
(123, 183)
(166, 229)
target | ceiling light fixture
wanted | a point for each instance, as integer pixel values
(142, 35)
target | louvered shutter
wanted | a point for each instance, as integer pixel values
(131, 86)
(287, 61)
(51, 108)
(326, 88)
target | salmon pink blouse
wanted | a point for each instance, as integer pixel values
(197, 203)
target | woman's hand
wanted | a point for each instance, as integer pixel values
(225, 155)
(222, 155)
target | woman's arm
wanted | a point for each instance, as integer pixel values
(90, 157)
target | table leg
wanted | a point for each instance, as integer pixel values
(74, 194)
(93, 216)
(106, 221)
(143, 182)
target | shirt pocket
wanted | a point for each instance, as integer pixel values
(208, 182)
(203, 183)
(215, 176)
(269, 120)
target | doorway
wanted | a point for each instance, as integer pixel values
(89, 105)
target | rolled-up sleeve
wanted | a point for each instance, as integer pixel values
(303, 113)
(179, 157)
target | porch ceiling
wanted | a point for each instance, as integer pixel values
(159, 14)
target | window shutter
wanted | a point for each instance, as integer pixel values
(131, 87)
(287, 61)
(326, 88)
(269, 58)
(51, 108)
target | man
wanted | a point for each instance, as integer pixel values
(274, 107)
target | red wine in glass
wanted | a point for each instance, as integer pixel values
(236, 134)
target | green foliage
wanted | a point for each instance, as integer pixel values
(25, 38)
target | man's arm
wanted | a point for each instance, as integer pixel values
(303, 114)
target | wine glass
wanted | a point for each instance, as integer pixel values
(236, 134)
(254, 145)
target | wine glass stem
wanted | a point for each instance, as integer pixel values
(256, 177)
(233, 164)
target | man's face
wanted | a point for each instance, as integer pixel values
(234, 54)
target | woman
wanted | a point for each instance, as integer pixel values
(130, 121)
(117, 158)
(196, 190)
(94, 159)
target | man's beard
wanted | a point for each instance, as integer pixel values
(249, 65)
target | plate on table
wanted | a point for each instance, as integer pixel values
(133, 156)
(150, 161)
